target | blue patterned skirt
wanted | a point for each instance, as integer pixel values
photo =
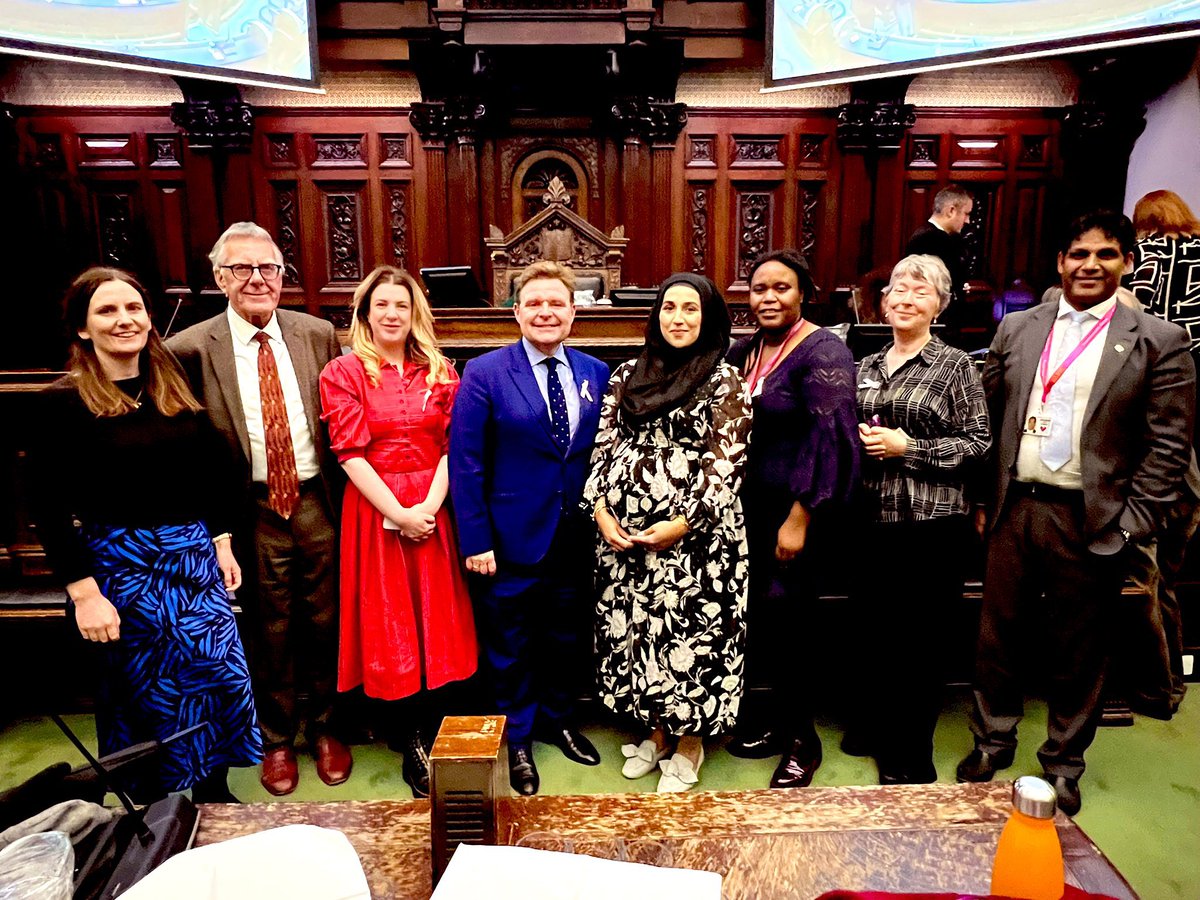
(179, 661)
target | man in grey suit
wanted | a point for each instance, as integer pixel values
(256, 369)
(1092, 405)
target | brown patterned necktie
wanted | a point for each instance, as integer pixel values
(283, 485)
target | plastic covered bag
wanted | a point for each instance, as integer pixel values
(37, 867)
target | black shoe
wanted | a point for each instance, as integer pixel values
(756, 746)
(857, 742)
(798, 765)
(522, 773)
(890, 773)
(415, 769)
(573, 744)
(980, 765)
(1067, 790)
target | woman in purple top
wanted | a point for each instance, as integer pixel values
(801, 473)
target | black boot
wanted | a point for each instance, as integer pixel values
(214, 788)
(416, 764)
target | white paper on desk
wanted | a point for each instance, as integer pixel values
(300, 862)
(523, 873)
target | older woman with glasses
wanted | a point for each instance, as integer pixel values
(923, 423)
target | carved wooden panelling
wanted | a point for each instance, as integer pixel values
(813, 150)
(394, 150)
(923, 151)
(281, 150)
(1034, 151)
(975, 236)
(398, 206)
(113, 151)
(343, 235)
(48, 153)
(757, 151)
(339, 151)
(809, 223)
(172, 244)
(977, 152)
(1030, 210)
(701, 203)
(702, 151)
(114, 227)
(165, 151)
(287, 230)
(755, 217)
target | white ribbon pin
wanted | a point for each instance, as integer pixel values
(869, 384)
(583, 392)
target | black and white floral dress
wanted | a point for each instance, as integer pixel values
(670, 628)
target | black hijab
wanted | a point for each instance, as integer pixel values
(664, 377)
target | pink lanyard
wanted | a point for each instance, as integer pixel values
(755, 378)
(1044, 366)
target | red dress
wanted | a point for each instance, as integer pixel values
(406, 618)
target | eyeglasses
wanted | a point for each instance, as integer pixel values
(243, 271)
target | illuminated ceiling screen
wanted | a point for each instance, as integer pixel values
(826, 41)
(251, 41)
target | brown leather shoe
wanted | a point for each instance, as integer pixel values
(333, 760)
(279, 773)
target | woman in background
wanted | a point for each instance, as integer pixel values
(671, 555)
(1148, 662)
(407, 627)
(923, 423)
(801, 474)
(126, 451)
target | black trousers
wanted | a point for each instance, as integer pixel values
(911, 577)
(1047, 607)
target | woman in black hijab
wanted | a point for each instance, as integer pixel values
(671, 555)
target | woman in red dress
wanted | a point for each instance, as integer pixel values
(407, 626)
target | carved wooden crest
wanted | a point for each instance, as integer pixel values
(560, 234)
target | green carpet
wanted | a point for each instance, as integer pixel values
(1141, 793)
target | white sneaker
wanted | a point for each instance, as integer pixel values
(678, 774)
(641, 759)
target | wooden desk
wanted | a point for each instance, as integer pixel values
(766, 844)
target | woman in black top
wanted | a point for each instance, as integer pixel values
(132, 491)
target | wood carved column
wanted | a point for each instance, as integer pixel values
(449, 131)
(870, 131)
(649, 130)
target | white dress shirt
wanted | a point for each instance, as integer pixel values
(1029, 464)
(565, 377)
(245, 355)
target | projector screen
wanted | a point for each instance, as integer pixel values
(812, 42)
(265, 42)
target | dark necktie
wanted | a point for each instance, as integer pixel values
(560, 424)
(283, 484)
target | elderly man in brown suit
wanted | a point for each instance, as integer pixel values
(1111, 392)
(255, 368)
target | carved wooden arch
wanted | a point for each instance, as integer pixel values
(537, 156)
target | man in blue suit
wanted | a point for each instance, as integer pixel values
(520, 442)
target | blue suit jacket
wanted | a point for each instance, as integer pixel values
(510, 483)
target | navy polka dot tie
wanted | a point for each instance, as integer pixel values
(560, 424)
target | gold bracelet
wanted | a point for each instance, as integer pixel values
(223, 536)
(601, 504)
(682, 520)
